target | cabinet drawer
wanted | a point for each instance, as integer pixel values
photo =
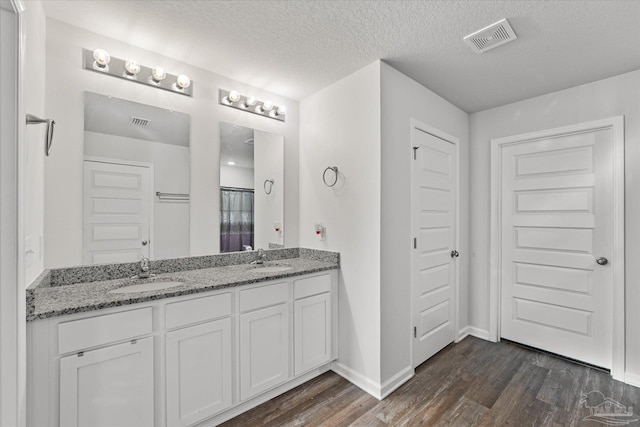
(264, 296)
(311, 286)
(85, 333)
(198, 310)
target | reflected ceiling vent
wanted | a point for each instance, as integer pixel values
(492, 36)
(139, 121)
(249, 141)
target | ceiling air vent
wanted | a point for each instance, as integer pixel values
(139, 121)
(492, 36)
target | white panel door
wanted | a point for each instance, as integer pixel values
(312, 332)
(117, 212)
(433, 214)
(556, 212)
(198, 372)
(108, 387)
(264, 349)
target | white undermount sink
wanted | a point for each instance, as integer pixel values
(145, 287)
(270, 268)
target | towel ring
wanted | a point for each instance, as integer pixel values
(270, 182)
(324, 176)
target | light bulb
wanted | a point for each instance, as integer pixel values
(102, 57)
(234, 96)
(132, 67)
(259, 109)
(231, 163)
(267, 105)
(251, 101)
(282, 110)
(101, 60)
(158, 74)
(183, 81)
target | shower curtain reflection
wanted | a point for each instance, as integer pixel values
(236, 219)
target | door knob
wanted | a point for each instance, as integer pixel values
(602, 261)
(144, 243)
(455, 254)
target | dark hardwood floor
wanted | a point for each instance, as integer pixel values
(474, 382)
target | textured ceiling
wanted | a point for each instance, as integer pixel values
(294, 48)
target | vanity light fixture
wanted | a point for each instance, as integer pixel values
(235, 99)
(99, 60)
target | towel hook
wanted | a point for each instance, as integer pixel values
(48, 138)
(270, 182)
(324, 175)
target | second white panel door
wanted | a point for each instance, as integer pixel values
(556, 213)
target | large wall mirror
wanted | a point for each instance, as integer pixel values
(136, 181)
(251, 189)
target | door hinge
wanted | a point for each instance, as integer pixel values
(81, 353)
(415, 149)
(415, 332)
(415, 243)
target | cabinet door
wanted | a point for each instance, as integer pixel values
(198, 372)
(264, 349)
(312, 332)
(108, 387)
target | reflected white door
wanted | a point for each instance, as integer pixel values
(557, 219)
(433, 213)
(117, 212)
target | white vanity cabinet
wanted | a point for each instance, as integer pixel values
(264, 338)
(192, 360)
(105, 366)
(111, 386)
(312, 322)
(198, 359)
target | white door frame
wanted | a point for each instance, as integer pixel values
(417, 124)
(616, 125)
(13, 358)
(152, 190)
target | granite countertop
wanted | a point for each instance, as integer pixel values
(44, 299)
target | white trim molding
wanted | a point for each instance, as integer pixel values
(616, 125)
(366, 384)
(13, 374)
(474, 332)
(374, 388)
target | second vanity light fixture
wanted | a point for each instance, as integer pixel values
(99, 60)
(250, 104)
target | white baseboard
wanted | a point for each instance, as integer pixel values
(366, 384)
(477, 332)
(632, 379)
(374, 388)
(474, 332)
(396, 381)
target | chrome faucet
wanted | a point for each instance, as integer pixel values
(145, 269)
(260, 257)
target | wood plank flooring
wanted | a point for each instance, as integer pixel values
(471, 383)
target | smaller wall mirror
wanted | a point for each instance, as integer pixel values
(136, 181)
(251, 189)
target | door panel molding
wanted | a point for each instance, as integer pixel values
(616, 126)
